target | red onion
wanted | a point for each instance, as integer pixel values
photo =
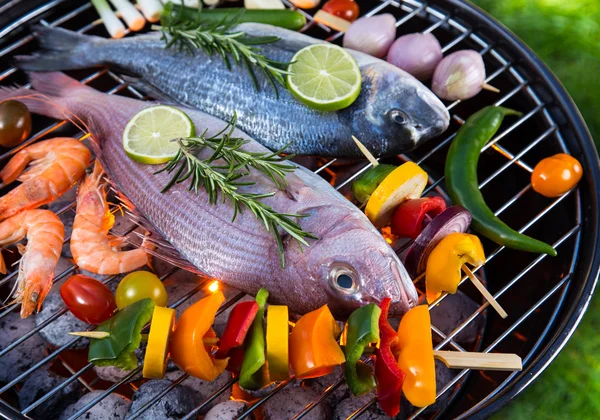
(416, 54)
(459, 76)
(453, 219)
(371, 35)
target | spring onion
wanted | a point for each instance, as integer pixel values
(197, 4)
(151, 9)
(113, 25)
(134, 19)
(263, 4)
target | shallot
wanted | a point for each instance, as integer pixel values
(372, 35)
(416, 54)
(460, 75)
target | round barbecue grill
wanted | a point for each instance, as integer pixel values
(545, 297)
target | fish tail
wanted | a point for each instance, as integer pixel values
(63, 50)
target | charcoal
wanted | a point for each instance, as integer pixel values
(113, 406)
(351, 404)
(38, 384)
(290, 401)
(452, 312)
(55, 333)
(174, 405)
(319, 385)
(229, 410)
(201, 390)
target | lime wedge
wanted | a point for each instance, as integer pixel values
(325, 77)
(147, 136)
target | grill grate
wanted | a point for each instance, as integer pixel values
(505, 183)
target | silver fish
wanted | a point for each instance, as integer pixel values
(394, 112)
(349, 265)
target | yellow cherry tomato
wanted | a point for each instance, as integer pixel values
(140, 285)
(556, 175)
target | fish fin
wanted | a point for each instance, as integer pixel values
(149, 89)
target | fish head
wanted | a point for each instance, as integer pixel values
(395, 112)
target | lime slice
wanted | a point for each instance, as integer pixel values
(325, 77)
(147, 136)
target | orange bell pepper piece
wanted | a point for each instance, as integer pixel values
(187, 348)
(314, 350)
(416, 357)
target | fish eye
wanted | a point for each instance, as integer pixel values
(344, 279)
(398, 116)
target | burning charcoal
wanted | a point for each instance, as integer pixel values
(114, 374)
(290, 401)
(38, 384)
(55, 333)
(351, 404)
(26, 354)
(203, 389)
(113, 406)
(319, 385)
(229, 410)
(451, 313)
(259, 393)
(174, 405)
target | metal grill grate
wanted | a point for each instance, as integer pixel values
(505, 183)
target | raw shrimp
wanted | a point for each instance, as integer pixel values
(45, 234)
(92, 247)
(54, 166)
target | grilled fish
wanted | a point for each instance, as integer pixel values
(349, 265)
(394, 112)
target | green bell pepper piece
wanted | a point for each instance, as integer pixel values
(125, 329)
(364, 185)
(253, 374)
(362, 330)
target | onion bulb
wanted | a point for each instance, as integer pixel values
(460, 75)
(416, 54)
(372, 35)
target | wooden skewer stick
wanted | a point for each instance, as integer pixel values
(483, 361)
(366, 152)
(91, 334)
(487, 295)
(491, 88)
(210, 341)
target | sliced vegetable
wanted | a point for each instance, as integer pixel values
(556, 175)
(253, 374)
(278, 333)
(306, 4)
(187, 348)
(416, 357)
(140, 285)
(406, 182)
(238, 324)
(460, 75)
(314, 350)
(124, 338)
(344, 9)
(368, 181)
(151, 9)
(112, 23)
(15, 123)
(156, 357)
(372, 35)
(134, 20)
(334, 22)
(362, 329)
(453, 219)
(389, 376)
(417, 54)
(88, 299)
(264, 4)
(412, 216)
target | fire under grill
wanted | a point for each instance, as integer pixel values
(544, 297)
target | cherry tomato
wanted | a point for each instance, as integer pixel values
(556, 175)
(15, 123)
(88, 299)
(140, 285)
(345, 9)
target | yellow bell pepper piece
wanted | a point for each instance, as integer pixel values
(277, 342)
(155, 360)
(406, 182)
(416, 357)
(443, 272)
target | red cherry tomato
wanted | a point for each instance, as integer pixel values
(345, 9)
(88, 299)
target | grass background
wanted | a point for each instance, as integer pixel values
(566, 35)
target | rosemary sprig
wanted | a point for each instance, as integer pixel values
(217, 38)
(217, 178)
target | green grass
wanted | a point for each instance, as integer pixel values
(566, 35)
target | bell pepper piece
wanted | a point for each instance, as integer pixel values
(314, 350)
(238, 324)
(387, 373)
(253, 374)
(278, 334)
(363, 329)
(236, 358)
(409, 218)
(443, 272)
(416, 357)
(366, 183)
(125, 329)
(187, 348)
(156, 357)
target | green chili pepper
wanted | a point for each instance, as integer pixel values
(125, 329)
(362, 330)
(463, 186)
(253, 374)
(364, 185)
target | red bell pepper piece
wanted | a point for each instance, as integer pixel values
(236, 358)
(238, 324)
(409, 217)
(389, 376)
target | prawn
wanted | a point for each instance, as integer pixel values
(93, 248)
(54, 166)
(45, 234)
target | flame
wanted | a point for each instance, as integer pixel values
(213, 287)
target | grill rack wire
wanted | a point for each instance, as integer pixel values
(407, 12)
